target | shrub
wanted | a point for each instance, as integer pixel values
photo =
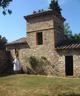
(40, 65)
(36, 64)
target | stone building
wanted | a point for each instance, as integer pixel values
(45, 38)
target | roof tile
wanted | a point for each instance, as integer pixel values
(19, 41)
(69, 44)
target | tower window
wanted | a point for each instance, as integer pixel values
(39, 38)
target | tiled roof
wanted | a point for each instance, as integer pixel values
(41, 13)
(69, 44)
(19, 41)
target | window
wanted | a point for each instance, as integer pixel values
(39, 38)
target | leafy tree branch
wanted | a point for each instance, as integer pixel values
(4, 6)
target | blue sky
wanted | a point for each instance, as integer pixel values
(14, 26)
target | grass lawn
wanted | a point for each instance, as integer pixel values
(28, 85)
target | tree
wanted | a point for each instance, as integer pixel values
(67, 30)
(4, 4)
(55, 6)
(3, 41)
(76, 36)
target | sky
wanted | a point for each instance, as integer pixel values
(14, 26)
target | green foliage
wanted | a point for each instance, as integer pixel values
(3, 41)
(34, 62)
(76, 36)
(55, 6)
(6, 65)
(4, 4)
(41, 65)
(37, 64)
(67, 30)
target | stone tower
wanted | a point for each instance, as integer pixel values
(49, 22)
(45, 31)
(58, 22)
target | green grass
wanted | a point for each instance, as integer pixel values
(28, 85)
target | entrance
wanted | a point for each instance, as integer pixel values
(69, 65)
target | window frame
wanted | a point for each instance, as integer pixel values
(39, 40)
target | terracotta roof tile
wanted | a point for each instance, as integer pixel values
(19, 41)
(69, 44)
(37, 14)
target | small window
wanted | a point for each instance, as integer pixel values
(39, 38)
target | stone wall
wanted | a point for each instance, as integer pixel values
(39, 23)
(76, 60)
(58, 30)
(55, 57)
(47, 52)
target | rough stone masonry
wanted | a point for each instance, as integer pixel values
(45, 38)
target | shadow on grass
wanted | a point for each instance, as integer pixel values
(8, 74)
(69, 94)
(12, 73)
